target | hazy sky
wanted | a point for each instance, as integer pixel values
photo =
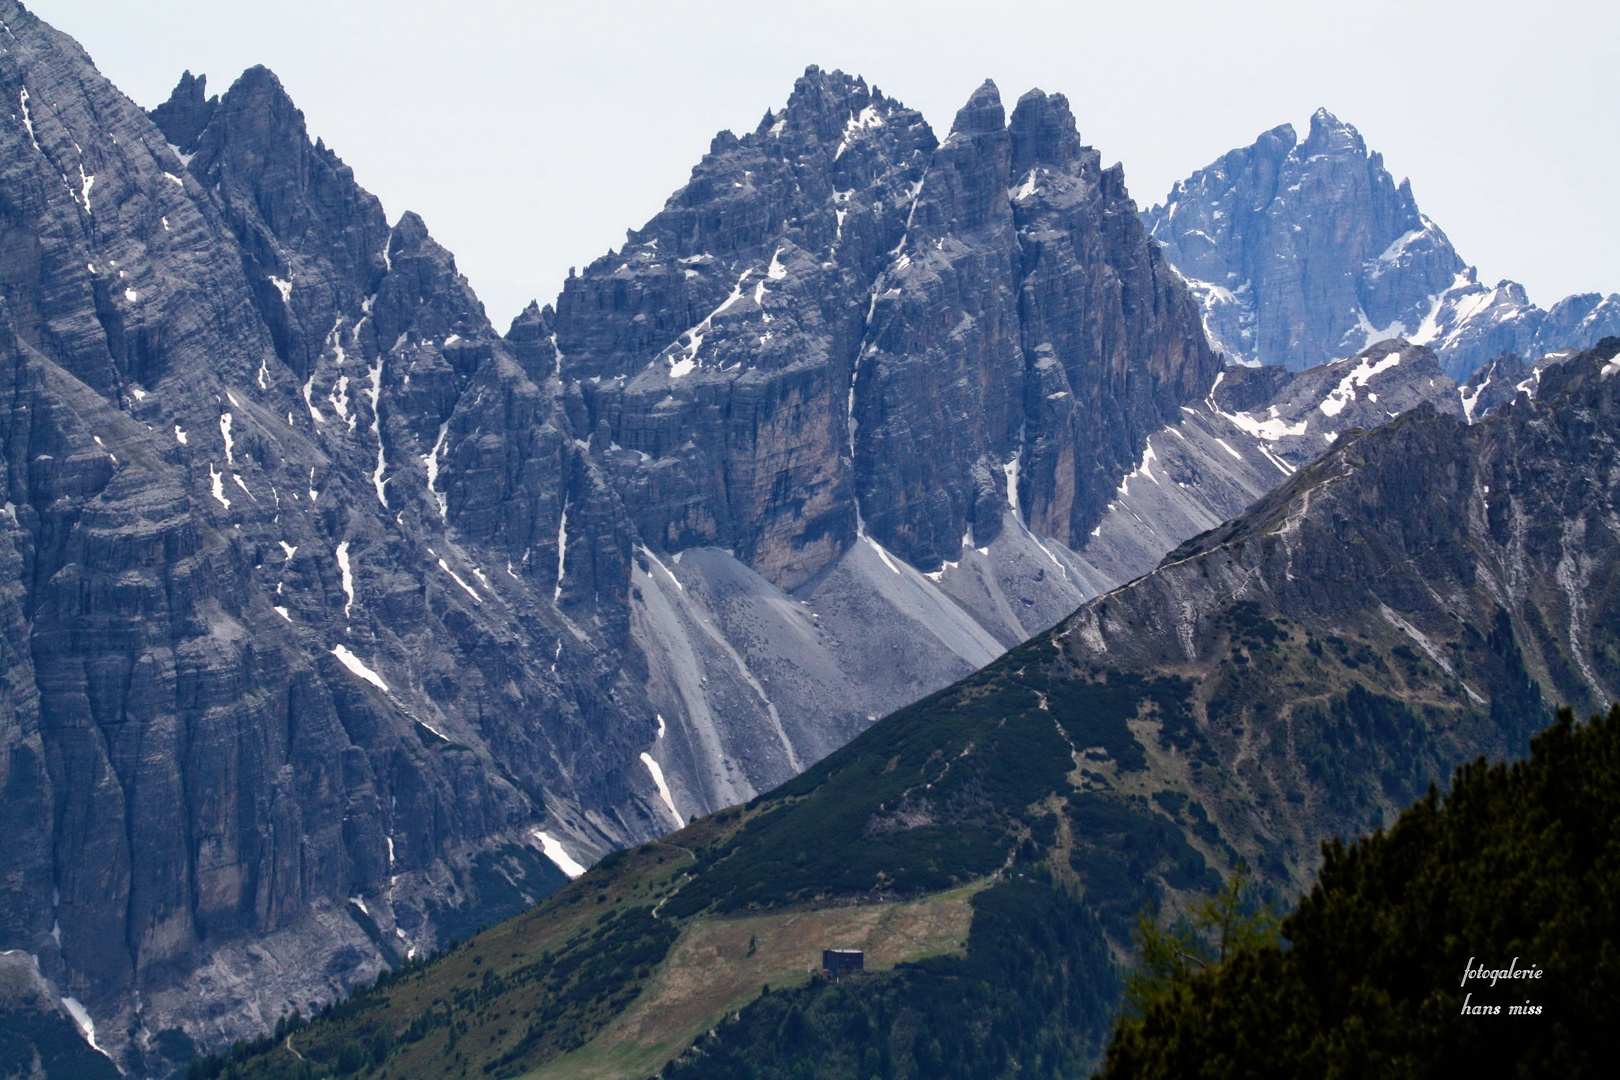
(531, 135)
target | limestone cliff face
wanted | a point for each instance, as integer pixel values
(1306, 252)
(840, 328)
(714, 351)
(285, 620)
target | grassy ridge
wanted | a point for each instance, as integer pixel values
(978, 781)
(941, 793)
(1030, 998)
(720, 966)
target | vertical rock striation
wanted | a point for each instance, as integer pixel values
(879, 326)
(276, 628)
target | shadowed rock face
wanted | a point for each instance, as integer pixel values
(1301, 253)
(839, 327)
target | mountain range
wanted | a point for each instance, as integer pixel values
(1413, 598)
(337, 624)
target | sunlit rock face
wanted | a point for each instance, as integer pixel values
(1305, 252)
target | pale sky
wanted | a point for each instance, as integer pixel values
(531, 135)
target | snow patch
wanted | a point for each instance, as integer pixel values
(431, 458)
(1470, 402)
(655, 560)
(1028, 188)
(85, 184)
(1145, 469)
(358, 667)
(694, 337)
(884, 555)
(1011, 471)
(309, 402)
(457, 578)
(1345, 392)
(87, 1026)
(225, 433)
(218, 483)
(374, 394)
(1271, 430)
(562, 551)
(558, 854)
(1397, 247)
(663, 788)
(283, 286)
(180, 434)
(348, 576)
(279, 610)
(28, 121)
(339, 397)
(1282, 466)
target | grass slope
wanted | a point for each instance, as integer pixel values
(721, 965)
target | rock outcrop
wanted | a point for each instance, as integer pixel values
(862, 393)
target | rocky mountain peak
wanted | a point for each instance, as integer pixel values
(256, 147)
(966, 184)
(255, 117)
(184, 116)
(1330, 135)
(822, 102)
(1303, 254)
(1276, 141)
(1043, 133)
(983, 114)
(530, 338)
